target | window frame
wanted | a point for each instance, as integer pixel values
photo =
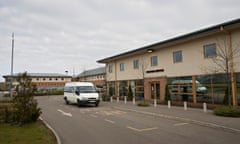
(110, 68)
(206, 49)
(175, 58)
(121, 65)
(154, 63)
(136, 64)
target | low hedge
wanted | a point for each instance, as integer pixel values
(143, 104)
(58, 92)
(227, 111)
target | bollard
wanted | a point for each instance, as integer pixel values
(117, 99)
(185, 105)
(134, 100)
(155, 102)
(125, 99)
(111, 99)
(204, 107)
(169, 104)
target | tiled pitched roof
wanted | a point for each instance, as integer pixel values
(97, 71)
(41, 75)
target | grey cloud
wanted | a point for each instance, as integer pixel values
(59, 35)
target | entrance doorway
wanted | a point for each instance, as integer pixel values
(155, 90)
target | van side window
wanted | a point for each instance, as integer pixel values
(68, 89)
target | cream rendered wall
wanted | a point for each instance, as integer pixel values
(129, 72)
(194, 62)
(236, 48)
(110, 76)
(40, 79)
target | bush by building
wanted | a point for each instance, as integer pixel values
(227, 111)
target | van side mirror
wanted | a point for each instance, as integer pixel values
(77, 92)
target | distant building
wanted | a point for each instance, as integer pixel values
(96, 76)
(3, 86)
(43, 80)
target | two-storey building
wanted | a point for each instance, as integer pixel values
(96, 76)
(193, 64)
(42, 80)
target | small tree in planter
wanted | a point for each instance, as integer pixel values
(130, 93)
(110, 91)
(167, 94)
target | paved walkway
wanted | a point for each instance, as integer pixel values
(191, 115)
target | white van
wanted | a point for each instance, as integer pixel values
(81, 93)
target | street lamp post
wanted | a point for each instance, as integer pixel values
(11, 92)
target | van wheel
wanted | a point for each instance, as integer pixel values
(66, 101)
(96, 104)
(78, 103)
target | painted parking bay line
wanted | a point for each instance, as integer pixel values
(142, 130)
(65, 113)
(92, 115)
(110, 121)
(180, 124)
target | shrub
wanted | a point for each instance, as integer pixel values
(167, 94)
(130, 93)
(143, 104)
(110, 91)
(25, 107)
(6, 116)
(6, 112)
(227, 111)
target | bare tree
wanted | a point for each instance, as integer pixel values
(224, 62)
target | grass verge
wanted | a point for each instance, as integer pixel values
(33, 133)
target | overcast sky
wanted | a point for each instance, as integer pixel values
(52, 36)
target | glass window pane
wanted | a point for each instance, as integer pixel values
(121, 66)
(177, 56)
(154, 61)
(135, 64)
(110, 69)
(210, 50)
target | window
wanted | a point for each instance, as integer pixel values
(177, 56)
(68, 89)
(110, 69)
(154, 61)
(135, 64)
(121, 66)
(210, 50)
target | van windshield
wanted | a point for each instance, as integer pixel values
(86, 89)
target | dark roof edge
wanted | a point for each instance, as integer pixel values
(99, 71)
(188, 35)
(40, 75)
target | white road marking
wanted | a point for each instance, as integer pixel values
(65, 113)
(142, 130)
(180, 124)
(108, 113)
(107, 120)
(94, 116)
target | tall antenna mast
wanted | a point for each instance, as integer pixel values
(11, 83)
(12, 54)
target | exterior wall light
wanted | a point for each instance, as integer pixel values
(149, 50)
